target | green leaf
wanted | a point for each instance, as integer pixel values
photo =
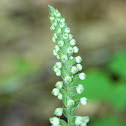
(65, 112)
(63, 123)
(118, 64)
(63, 92)
(76, 103)
(65, 101)
(97, 85)
(72, 62)
(118, 96)
(107, 121)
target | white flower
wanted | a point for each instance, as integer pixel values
(55, 92)
(58, 111)
(82, 76)
(83, 101)
(79, 66)
(60, 96)
(55, 121)
(60, 43)
(62, 20)
(74, 69)
(70, 50)
(54, 53)
(59, 84)
(71, 57)
(68, 79)
(70, 36)
(62, 25)
(73, 42)
(59, 30)
(70, 103)
(64, 58)
(52, 18)
(58, 73)
(56, 48)
(80, 89)
(78, 59)
(78, 120)
(75, 49)
(67, 30)
(65, 36)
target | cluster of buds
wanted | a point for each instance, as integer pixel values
(68, 68)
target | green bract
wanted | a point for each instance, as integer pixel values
(68, 69)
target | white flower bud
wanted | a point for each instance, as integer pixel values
(58, 73)
(64, 58)
(52, 27)
(78, 120)
(83, 101)
(58, 15)
(55, 36)
(65, 36)
(55, 92)
(53, 39)
(75, 49)
(62, 25)
(55, 121)
(70, 36)
(58, 19)
(68, 79)
(58, 65)
(62, 20)
(71, 57)
(60, 96)
(79, 66)
(55, 24)
(70, 103)
(67, 30)
(74, 69)
(58, 57)
(73, 42)
(60, 43)
(59, 84)
(58, 31)
(78, 59)
(80, 89)
(70, 50)
(55, 69)
(85, 119)
(58, 111)
(54, 53)
(56, 48)
(82, 76)
(52, 18)
(84, 124)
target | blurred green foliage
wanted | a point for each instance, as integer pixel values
(109, 85)
(12, 82)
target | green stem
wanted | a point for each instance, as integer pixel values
(70, 109)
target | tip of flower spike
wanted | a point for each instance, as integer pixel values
(51, 8)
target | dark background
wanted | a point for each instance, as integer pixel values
(26, 60)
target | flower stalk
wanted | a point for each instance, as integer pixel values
(68, 68)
